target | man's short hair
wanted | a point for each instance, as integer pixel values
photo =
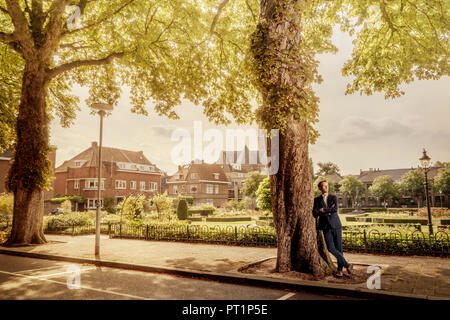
(320, 183)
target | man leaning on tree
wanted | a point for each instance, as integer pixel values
(326, 208)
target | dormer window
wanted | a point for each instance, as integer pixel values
(121, 165)
(194, 175)
(216, 175)
(79, 163)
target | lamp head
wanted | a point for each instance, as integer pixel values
(102, 106)
(425, 160)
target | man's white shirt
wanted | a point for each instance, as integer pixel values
(325, 196)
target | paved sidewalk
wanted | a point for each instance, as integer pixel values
(416, 275)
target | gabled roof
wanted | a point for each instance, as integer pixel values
(395, 174)
(205, 171)
(244, 156)
(334, 177)
(113, 155)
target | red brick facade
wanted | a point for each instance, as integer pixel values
(206, 183)
(78, 176)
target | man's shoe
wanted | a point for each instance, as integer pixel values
(350, 268)
(339, 274)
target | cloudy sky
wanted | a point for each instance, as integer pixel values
(357, 132)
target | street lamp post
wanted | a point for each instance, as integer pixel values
(102, 108)
(425, 162)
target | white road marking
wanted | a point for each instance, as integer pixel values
(60, 273)
(287, 296)
(81, 287)
(37, 269)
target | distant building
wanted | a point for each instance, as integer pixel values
(124, 173)
(205, 182)
(237, 165)
(368, 200)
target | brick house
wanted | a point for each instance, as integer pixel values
(205, 182)
(124, 172)
(236, 165)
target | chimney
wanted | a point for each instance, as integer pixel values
(94, 144)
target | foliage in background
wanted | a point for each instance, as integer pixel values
(384, 187)
(263, 194)
(59, 199)
(108, 204)
(6, 204)
(133, 206)
(326, 168)
(350, 187)
(66, 206)
(442, 181)
(161, 203)
(182, 210)
(412, 184)
(251, 183)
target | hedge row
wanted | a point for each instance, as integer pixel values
(228, 219)
(203, 212)
(388, 220)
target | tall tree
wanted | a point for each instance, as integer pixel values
(383, 187)
(164, 50)
(396, 41)
(442, 181)
(326, 168)
(412, 185)
(351, 187)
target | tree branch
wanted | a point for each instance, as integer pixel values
(22, 33)
(52, 73)
(99, 21)
(4, 10)
(216, 17)
(386, 16)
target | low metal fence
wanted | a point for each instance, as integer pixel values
(371, 241)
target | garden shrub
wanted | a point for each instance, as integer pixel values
(182, 210)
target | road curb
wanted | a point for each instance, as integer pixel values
(252, 280)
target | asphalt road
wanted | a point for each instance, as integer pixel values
(27, 278)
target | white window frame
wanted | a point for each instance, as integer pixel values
(94, 187)
(91, 203)
(152, 186)
(121, 184)
(216, 189)
(209, 188)
(76, 184)
(175, 189)
(209, 201)
(133, 185)
(194, 175)
(140, 185)
(216, 175)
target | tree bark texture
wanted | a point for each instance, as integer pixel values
(281, 79)
(30, 157)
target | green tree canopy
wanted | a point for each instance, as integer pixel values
(326, 168)
(351, 186)
(384, 187)
(263, 194)
(412, 184)
(251, 183)
(442, 181)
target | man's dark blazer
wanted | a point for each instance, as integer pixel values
(329, 217)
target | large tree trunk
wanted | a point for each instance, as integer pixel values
(30, 166)
(281, 77)
(292, 194)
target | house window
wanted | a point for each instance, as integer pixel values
(122, 165)
(216, 189)
(209, 188)
(153, 185)
(175, 189)
(194, 175)
(76, 184)
(142, 185)
(133, 185)
(216, 176)
(92, 184)
(210, 201)
(78, 164)
(193, 188)
(121, 184)
(152, 169)
(92, 203)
